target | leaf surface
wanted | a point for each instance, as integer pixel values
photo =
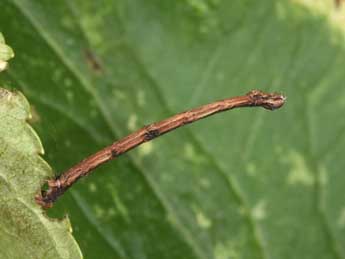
(25, 231)
(6, 53)
(245, 184)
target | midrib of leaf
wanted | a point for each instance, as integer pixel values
(333, 244)
(163, 201)
(190, 134)
(222, 172)
(238, 194)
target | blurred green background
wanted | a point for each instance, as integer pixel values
(243, 184)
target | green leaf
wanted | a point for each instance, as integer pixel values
(25, 231)
(245, 184)
(6, 53)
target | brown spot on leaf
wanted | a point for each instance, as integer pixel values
(93, 62)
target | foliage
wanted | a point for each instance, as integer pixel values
(25, 231)
(246, 184)
(6, 53)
